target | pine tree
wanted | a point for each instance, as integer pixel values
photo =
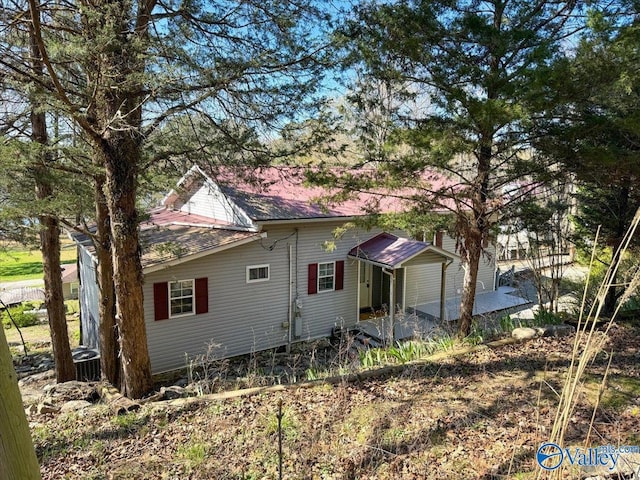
(466, 75)
(122, 70)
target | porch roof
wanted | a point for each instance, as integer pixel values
(389, 251)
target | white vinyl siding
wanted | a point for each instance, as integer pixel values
(423, 282)
(242, 317)
(207, 200)
(89, 297)
(249, 317)
(246, 317)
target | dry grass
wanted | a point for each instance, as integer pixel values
(38, 337)
(578, 384)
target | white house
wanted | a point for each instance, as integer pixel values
(245, 266)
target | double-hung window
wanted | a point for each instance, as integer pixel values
(181, 298)
(326, 276)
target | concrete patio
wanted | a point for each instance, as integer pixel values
(422, 320)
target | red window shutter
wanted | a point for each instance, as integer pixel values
(312, 286)
(339, 274)
(202, 295)
(160, 301)
(439, 239)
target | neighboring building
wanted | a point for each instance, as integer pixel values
(70, 283)
(246, 267)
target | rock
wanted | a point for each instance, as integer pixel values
(75, 405)
(37, 377)
(172, 392)
(558, 330)
(44, 407)
(182, 382)
(72, 390)
(524, 333)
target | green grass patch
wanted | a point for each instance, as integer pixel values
(21, 264)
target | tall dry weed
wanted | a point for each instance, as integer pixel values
(587, 344)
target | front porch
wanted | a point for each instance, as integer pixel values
(383, 261)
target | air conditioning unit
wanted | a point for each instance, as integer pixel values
(87, 363)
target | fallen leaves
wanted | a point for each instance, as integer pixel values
(477, 415)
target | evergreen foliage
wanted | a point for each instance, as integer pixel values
(447, 97)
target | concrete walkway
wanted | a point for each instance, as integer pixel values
(503, 298)
(422, 320)
(38, 283)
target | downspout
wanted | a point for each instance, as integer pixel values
(358, 295)
(443, 286)
(392, 306)
(290, 332)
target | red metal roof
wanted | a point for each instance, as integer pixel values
(282, 193)
(390, 251)
(169, 235)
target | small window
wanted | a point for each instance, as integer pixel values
(257, 273)
(326, 276)
(73, 287)
(181, 301)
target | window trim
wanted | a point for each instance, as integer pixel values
(333, 276)
(193, 297)
(258, 280)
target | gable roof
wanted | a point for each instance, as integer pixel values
(281, 193)
(69, 272)
(170, 237)
(270, 194)
(389, 251)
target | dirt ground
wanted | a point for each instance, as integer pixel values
(477, 416)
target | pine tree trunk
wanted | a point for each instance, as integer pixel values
(54, 300)
(17, 456)
(117, 114)
(611, 297)
(474, 227)
(50, 238)
(127, 268)
(109, 343)
(471, 262)
(622, 203)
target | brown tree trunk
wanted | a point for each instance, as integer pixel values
(613, 292)
(127, 269)
(54, 299)
(50, 239)
(471, 262)
(109, 342)
(17, 456)
(474, 228)
(117, 115)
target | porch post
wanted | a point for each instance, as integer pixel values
(359, 264)
(392, 306)
(443, 285)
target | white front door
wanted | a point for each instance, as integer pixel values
(366, 281)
